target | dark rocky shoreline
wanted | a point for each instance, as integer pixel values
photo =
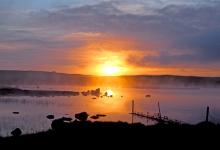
(65, 131)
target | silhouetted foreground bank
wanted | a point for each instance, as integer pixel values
(69, 133)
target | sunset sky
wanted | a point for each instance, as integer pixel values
(111, 37)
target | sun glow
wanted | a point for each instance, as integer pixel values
(105, 56)
(110, 70)
(111, 64)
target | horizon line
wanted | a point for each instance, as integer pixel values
(110, 76)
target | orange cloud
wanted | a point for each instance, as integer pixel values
(105, 54)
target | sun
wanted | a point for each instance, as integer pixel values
(110, 70)
(110, 64)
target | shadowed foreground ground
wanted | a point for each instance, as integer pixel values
(88, 133)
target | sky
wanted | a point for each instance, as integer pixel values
(128, 37)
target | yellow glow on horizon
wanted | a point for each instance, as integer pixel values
(110, 70)
(109, 56)
(110, 63)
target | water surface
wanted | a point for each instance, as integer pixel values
(187, 105)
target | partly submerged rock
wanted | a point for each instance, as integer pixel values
(147, 96)
(101, 115)
(83, 116)
(15, 112)
(50, 117)
(85, 93)
(96, 92)
(16, 132)
(95, 117)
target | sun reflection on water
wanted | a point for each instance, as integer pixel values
(109, 93)
(112, 102)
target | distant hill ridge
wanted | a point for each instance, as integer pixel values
(14, 77)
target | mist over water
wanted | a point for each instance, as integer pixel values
(181, 98)
(184, 104)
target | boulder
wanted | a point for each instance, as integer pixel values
(60, 124)
(147, 96)
(83, 116)
(95, 117)
(16, 132)
(16, 112)
(96, 92)
(50, 117)
(101, 115)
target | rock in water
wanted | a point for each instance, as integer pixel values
(97, 116)
(16, 132)
(147, 96)
(50, 117)
(101, 115)
(83, 116)
(94, 117)
(16, 112)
